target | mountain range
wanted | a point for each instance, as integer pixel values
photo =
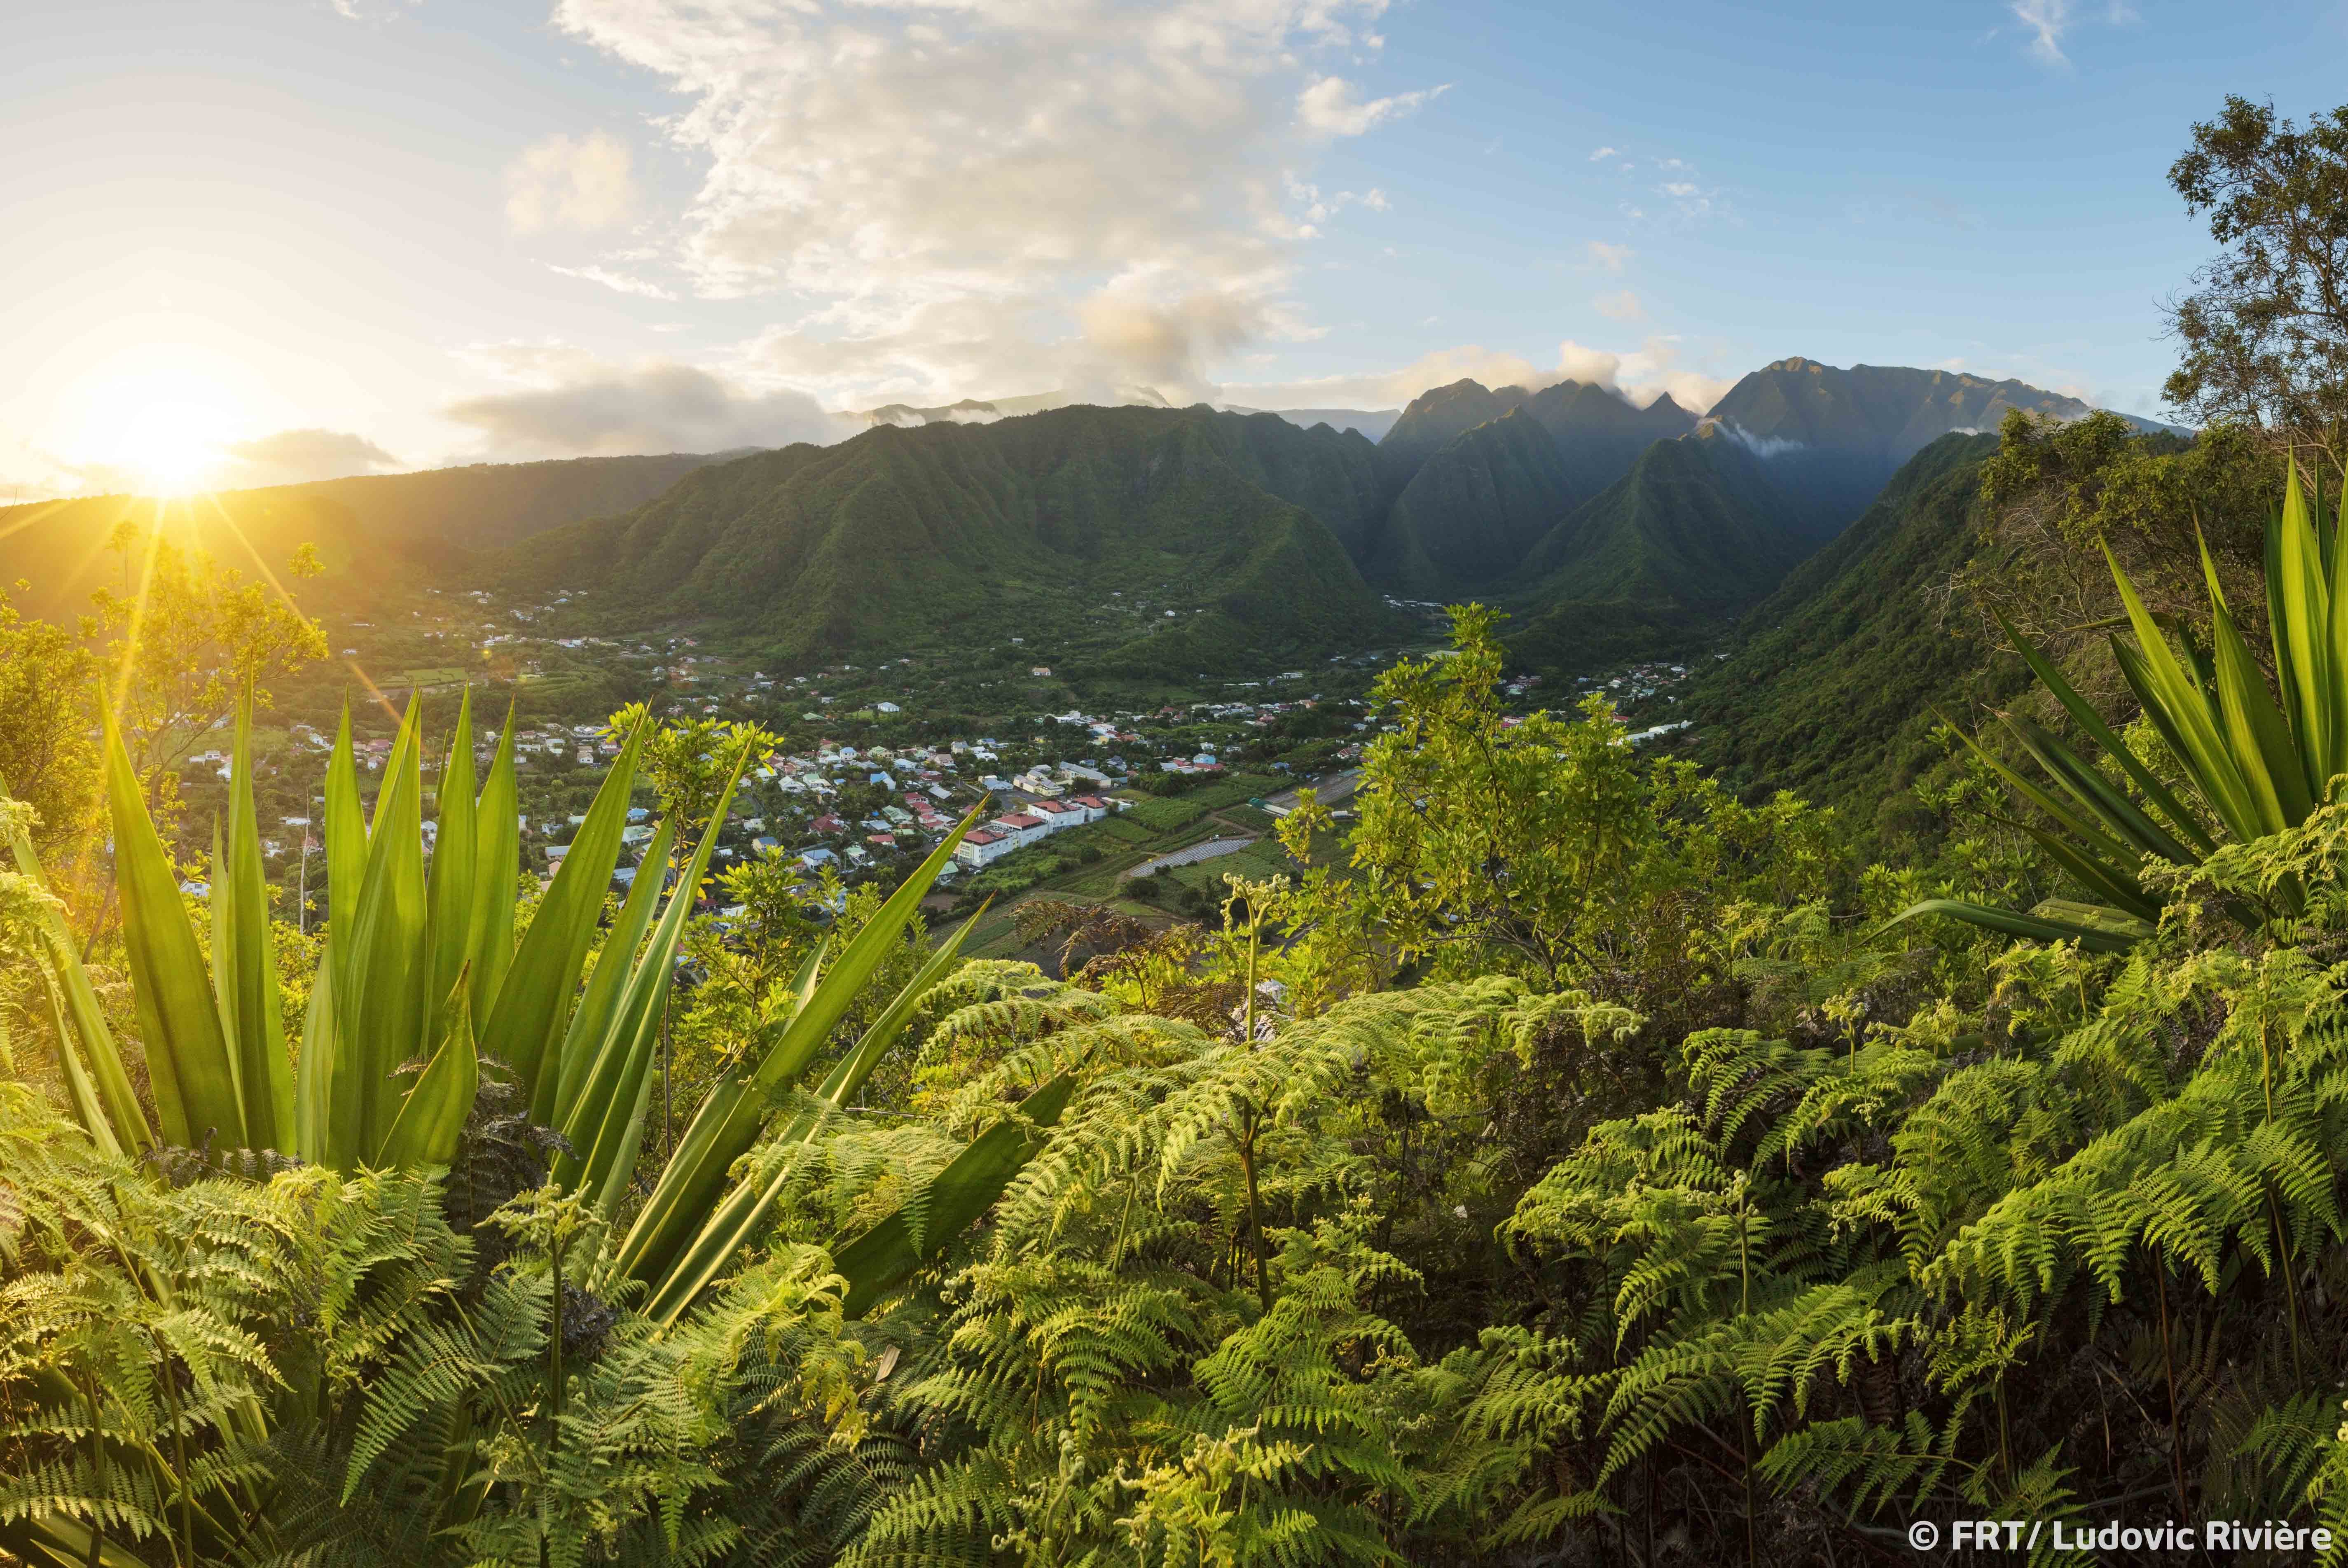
(1167, 537)
(1605, 528)
(1174, 538)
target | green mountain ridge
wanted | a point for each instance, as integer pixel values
(1477, 486)
(1474, 507)
(1692, 535)
(1240, 523)
(423, 522)
(1831, 689)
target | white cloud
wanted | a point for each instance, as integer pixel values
(1334, 106)
(1605, 152)
(1620, 306)
(1692, 202)
(563, 402)
(1317, 208)
(1640, 375)
(1608, 258)
(2045, 22)
(617, 281)
(1643, 374)
(292, 457)
(585, 184)
(887, 166)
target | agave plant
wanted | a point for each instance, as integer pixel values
(422, 977)
(2257, 765)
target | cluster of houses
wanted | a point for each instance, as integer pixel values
(983, 846)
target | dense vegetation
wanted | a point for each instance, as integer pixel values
(421, 525)
(1581, 1157)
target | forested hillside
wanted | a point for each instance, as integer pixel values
(1832, 687)
(1192, 538)
(416, 522)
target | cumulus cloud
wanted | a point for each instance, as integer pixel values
(1622, 305)
(566, 404)
(1335, 106)
(585, 184)
(1606, 257)
(884, 164)
(292, 457)
(1604, 153)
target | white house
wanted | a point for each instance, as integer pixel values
(979, 847)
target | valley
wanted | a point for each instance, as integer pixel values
(1175, 613)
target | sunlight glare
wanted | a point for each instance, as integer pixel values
(156, 427)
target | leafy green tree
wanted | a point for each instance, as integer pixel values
(189, 641)
(1541, 847)
(2263, 332)
(49, 692)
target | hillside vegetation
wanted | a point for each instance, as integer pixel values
(1833, 684)
(424, 523)
(1238, 526)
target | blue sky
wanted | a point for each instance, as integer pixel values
(272, 239)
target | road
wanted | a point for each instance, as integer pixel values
(1196, 853)
(1329, 791)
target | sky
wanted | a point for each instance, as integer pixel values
(261, 240)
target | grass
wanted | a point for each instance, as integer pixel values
(1164, 814)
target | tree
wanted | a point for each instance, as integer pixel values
(47, 689)
(2264, 329)
(188, 641)
(1544, 848)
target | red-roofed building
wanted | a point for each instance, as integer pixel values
(1021, 826)
(980, 847)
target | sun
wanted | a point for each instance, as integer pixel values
(156, 425)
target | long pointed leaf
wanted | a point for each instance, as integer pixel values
(244, 957)
(599, 1004)
(489, 942)
(686, 1190)
(535, 1004)
(188, 1064)
(607, 1127)
(2183, 713)
(432, 1114)
(384, 1018)
(2258, 739)
(79, 1002)
(2113, 811)
(455, 856)
(2102, 734)
(735, 1222)
(729, 1115)
(2094, 939)
(2299, 620)
(891, 1252)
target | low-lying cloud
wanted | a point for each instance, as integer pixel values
(578, 407)
(295, 457)
(1640, 375)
